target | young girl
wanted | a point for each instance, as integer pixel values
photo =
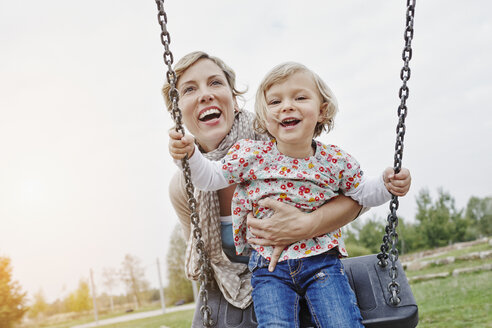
(293, 105)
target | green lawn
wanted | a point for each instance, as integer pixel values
(448, 267)
(181, 319)
(462, 301)
(485, 246)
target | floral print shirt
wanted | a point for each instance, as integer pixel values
(261, 171)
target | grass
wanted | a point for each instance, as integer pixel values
(85, 318)
(457, 252)
(458, 264)
(452, 302)
(448, 267)
(181, 319)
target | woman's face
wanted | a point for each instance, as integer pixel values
(206, 102)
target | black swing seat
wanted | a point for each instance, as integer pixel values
(370, 283)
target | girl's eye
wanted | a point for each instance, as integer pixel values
(301, 98)
(274, 102)
(187, 90)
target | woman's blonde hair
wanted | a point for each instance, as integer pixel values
(279, 74)
(188, 60)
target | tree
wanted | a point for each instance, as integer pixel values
(439, 223)
(110, 281)
(479, 214)
(12, 299)
(179, 287)
(133, 276)
(39, 306)
(409, 239)
(371, 234)
(80, 300)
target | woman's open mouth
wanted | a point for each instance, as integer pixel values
(209, 114)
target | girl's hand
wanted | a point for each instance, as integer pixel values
(179, 145)
(397, 184)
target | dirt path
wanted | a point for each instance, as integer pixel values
(134, 316)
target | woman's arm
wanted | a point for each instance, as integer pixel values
(289, 224)
(178, 197)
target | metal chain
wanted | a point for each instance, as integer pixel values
(391, 235)
(203, 259)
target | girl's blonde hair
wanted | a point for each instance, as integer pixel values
(188, 60)
(279, 74)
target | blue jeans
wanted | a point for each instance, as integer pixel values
(319, 279)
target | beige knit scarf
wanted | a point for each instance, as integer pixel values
(232, 278)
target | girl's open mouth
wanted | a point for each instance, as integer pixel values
(289, 122)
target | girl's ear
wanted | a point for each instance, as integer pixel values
(322, 112)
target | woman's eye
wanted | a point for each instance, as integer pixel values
(216, 82)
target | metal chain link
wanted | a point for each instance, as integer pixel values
(203, 260)
(391, 234)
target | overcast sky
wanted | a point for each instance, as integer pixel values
(84, 168)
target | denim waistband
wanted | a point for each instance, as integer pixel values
(258, 261)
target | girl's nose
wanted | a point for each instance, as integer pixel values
(287, 106)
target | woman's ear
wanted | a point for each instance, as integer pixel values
(236, 107)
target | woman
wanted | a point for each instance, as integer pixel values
(210, 111)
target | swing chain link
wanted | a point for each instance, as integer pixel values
(390, 230)
(203, 260)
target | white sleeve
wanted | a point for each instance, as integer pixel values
(371, 192)
(205, 174)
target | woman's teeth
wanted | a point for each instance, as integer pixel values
(209, 114)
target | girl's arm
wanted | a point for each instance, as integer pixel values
(205, 174)
(375, 191)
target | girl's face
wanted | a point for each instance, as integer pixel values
(294, 108)
(207, 103)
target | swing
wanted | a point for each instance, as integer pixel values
(381, 287)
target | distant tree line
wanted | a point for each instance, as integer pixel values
(131, 274)
(437, 223)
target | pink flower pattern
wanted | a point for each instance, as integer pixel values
(261, 171)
